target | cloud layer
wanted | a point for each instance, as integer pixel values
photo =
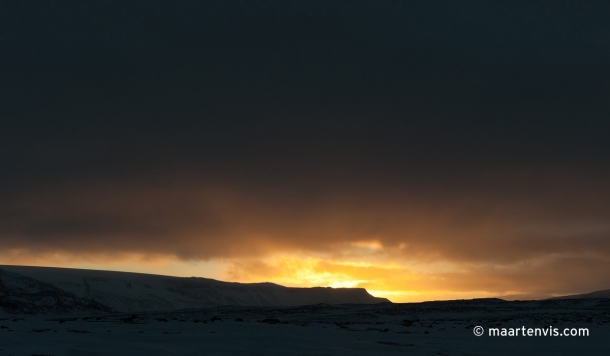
(502, 232)
(414, 149)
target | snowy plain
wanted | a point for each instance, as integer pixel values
(38, 318)
(434, 328)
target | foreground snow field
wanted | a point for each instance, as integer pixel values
(433, 328)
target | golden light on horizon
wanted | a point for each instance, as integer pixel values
(381, 277)
(378, 273)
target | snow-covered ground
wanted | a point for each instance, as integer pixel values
(437, 328)
(49, 311)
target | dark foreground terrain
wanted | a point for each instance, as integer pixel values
(432, 328)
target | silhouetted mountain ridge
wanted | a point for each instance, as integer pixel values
(602, 294)
(137, 292)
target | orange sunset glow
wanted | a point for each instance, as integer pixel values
(402, 246)
(421, 154)
(304, 177)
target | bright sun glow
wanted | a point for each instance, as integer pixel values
(381, 277)
(344, 284)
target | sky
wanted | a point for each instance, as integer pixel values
(422, 150)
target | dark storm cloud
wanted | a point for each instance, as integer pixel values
(468, 132)
(492, 218)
